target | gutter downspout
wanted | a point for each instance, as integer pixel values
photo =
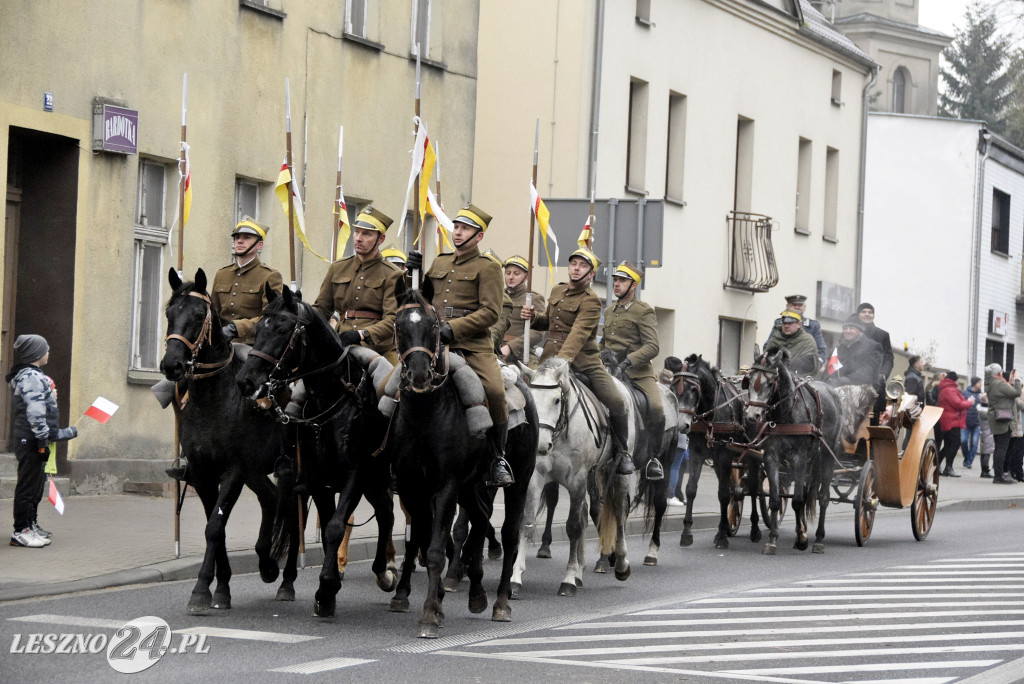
(865, 101)
(973, 306)
(595, 97)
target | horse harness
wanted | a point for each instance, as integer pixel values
(194, 346)
(564, 415)
(700, 423)
(439, 362)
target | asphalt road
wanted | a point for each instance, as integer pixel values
(947, 609)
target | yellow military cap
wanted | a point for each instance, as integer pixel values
(790, 316)
(489, 254)
(628, 270)
(518, 262)
(395, 256)
(249, 226)
(589, 256)
(372, 219)
(473, 216)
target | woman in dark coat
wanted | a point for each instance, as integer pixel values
(1001, 398)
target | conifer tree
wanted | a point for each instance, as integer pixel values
(978, 84)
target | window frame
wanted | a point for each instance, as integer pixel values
(1003, 219)
(148, 234)
(636, 136)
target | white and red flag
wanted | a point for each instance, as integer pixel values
(833, 363)
(54, 497)
(101, 410)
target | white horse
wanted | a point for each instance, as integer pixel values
(575, 447)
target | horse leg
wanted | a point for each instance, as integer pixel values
(456, 569)
(550, 494)
(384, 569)
(473, 548)
(621, 506)
(774, 505)
(824, 490)
(660, 506)
(515, 502)
(574, 529)
(443, 514)
(325, 599)
(266, 493)
(528, 517)
(216, 526)
(723, 468)
(343, 547)
(400, 601)
(801, 520)
(753, 487)
(286, 592)
(693, 469)
(494, 549)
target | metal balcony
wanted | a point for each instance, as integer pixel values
(752, 264)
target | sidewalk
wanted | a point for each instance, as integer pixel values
(81, 556)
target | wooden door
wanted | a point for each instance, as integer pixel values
(12, 224)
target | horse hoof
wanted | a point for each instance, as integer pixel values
(514, 590)
(818, 548)
(602, 566)
(650, 561)
(269, 571)
(501, 614)
(579, 582)
(623, 575)
(494, 552)
(325, 608)
(285, 594)
(428, 631)
(199, 602)
(478, 604)
(755, 535)
(387, 581)
(566, 589)
(544, 552)
(722, 543)
(686, 540)
(800, 545)
(222, 601)
(399, 605)
(768, 550)
(451, 585)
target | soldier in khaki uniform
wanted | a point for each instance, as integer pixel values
(499, 329)
(238, 295)
(465, 289)
(631, 328)
(363, 289)
(395, 256)
(516, 270)
(571, 317)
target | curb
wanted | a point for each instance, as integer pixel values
(245, 562)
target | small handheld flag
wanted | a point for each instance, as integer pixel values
(101, 410)
(55, 498)
(833, 362)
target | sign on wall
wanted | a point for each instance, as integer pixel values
(835, 301)
(998, 322)
(114, 129)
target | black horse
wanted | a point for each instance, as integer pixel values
(799, 425)
(338, 433)
(440, 464)
(711, 413)
(227, 443)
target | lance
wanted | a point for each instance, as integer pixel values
(182, 170)
(417, 229)
(529, 273)
(437, 194)
(337, 224)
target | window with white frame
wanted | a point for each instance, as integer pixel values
(636, 140)
(151, 237)
(831, 225)
(420, 28)
(247, 199)
(803, 187)
(355, 17)
(675, 147)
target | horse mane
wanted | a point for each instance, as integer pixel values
(552, 365)
(412, 296)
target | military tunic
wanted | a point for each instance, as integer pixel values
(365, 295)
(633, 328)
(514, 335)
(238, 296)
(498, 330)
(468, 296)
(803, 353)
(571, 318)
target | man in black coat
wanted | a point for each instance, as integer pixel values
(866, 313)
(860, 357)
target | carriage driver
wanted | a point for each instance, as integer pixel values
(631, 328)
(571, 317)
(516, 270)
(465, 289)
(237, 294)
(364, 289)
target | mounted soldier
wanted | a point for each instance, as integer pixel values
(465, 290)
(362, 290)
(631, 332)
(395, 256)
(571, 317)
(516, 270)
(238, 293)
(499, 329)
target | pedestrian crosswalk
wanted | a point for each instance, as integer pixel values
(955, 619)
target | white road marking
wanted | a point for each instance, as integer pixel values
(927, 573)
(865, 597)
(71, 620)
(909, 680)
(795, 618)
(906, 580)
(871, 667)
(315, 666)
(929, 586)
(957, 566)
(803, 655)
(248, 634)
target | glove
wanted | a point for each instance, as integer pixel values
(64, 434)
(229, 331)
(350, 337)
(447, 336)
(43, 445)
(415, 260)
(625, 365)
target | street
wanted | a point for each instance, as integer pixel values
(948, 609)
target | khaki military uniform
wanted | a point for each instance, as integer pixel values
(633, 328)
(238, 296)
(365, 295)
(514, 335)
(499, 329)
(571, 318)
(468, 296)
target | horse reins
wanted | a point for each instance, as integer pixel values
(437, 376)
(194, 346)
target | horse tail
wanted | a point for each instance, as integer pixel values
(285, 518)
(607, 520)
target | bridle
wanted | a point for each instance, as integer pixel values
(439, 365)
(564, 415)
(759, 376)
(205, 336)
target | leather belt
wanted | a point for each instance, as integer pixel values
(360, 313)
(561, 336)
(450, 312)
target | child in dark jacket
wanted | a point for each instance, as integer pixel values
(35, 427)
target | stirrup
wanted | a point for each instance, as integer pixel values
(501, 474)
(625, 465)
(177, 470)
(655, 471)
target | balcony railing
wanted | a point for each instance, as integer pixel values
(751, 256)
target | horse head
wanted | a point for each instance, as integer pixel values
(768, 380)
(278, 346)
(694, 387)
(417, 341)
(549, 385)
(191, 324)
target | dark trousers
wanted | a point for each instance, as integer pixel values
(1002, 442)
(950, 445)
(29, 489)
(1012, 466)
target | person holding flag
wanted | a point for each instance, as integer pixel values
(238, 291)
(860, 357)
(516, 270)
(571, 317)
(465, 289)
(363, 289)
(35, 428)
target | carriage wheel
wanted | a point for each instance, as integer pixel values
(735, 510)
(865, 504)
(926, 498)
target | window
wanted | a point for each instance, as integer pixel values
(998, 352)
(247, 200)
(899, 91)
(636, 142)
(1000, 222)
(837, 87)
(151, 237)
(744, 176)
(831, 194)
(802, 223)
(420, 28)
(643, 12)
(355, 17)
(676, 147)
(733, 336)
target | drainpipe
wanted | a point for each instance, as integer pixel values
(595, 97)
(865, 101)
(973, 306)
